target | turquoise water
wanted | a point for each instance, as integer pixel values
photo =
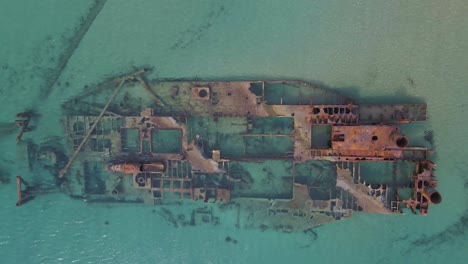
(374, 50)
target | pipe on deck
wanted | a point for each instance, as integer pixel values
(90, 131)
(21, 198)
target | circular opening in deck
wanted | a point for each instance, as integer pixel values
(435, 197)
(374, 138)
(140, 179)
(402, 142)
(202, 93)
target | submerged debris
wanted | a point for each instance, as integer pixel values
(230, 240)
(311, 232)
(168, 216)
(25, 194)
(4, 177)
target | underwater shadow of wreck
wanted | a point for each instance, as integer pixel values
(401, 95)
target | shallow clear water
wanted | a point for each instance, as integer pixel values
(377, 51)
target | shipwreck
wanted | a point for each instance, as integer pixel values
(283, 155)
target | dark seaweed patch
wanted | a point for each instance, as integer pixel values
(429, 136)
(411, 81)
(229, 239)
(4, 177)
(311, 232)
(52, 75)
(167, 215)
(195, 33)
(449, 235)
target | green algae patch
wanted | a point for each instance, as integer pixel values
(166, 140)
(273, 125)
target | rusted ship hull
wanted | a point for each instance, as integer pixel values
(286, 155)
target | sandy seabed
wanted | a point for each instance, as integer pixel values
(376, 51)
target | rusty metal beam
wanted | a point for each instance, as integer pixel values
(85, 139)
